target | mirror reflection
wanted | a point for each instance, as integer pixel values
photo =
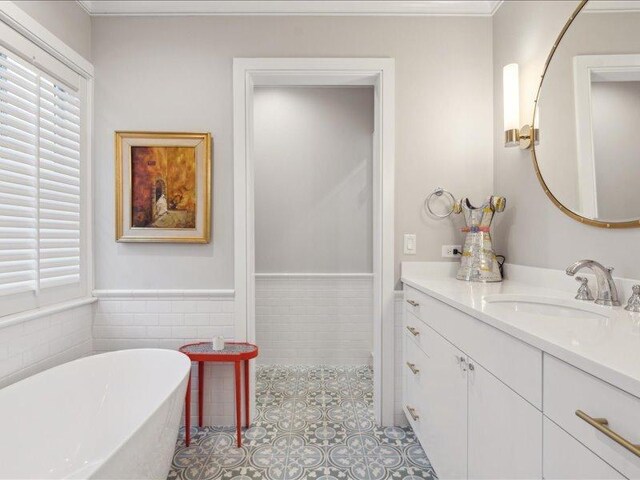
(589, 104)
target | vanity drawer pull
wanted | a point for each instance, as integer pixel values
(413, 331)
(462, 363)
(413, 303)
(602, 425)
(412, 367)
(412, 412)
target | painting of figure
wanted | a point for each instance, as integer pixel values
(163, 187)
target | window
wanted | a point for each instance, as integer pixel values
(40, 184)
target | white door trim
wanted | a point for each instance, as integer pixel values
(586, 70)
(380, 73)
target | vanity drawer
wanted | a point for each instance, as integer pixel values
(514, 362)
(415, 330)
(568, 389)
(413, 364)
(413, 300)
(564, 457)
(412, 401)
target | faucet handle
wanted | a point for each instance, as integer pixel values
(584, 292)
(633, 305)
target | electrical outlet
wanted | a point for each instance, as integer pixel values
(447, 251)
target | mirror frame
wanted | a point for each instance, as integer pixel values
(543, 184)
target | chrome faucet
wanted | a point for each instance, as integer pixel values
(607, 292)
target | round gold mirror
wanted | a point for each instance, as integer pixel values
(587, 156)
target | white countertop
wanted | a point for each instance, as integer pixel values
(607, 347)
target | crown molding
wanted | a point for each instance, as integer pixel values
(84, 6)
(496, 6)
(610, 6)
(292, 7)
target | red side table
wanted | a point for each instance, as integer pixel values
(235, 352)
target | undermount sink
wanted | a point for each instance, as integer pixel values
(544, 307)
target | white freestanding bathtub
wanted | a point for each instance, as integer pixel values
(113, 415)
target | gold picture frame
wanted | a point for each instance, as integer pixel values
(163, 187)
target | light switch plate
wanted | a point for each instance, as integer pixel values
(409, 243)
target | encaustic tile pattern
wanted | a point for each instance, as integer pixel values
(311, 423)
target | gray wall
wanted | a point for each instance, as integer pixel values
(66, 19)
(533, 231)
(157, 73)
(313, 160)
(616, 116)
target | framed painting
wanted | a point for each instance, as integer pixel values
(163, 187)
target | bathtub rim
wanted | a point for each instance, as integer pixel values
(89, 469)
(94, 467)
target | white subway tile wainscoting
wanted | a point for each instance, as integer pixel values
(157, 319)
(399, 417)
(44, 341)
(170, 319)
(314, 319)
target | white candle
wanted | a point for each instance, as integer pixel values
(217, 343)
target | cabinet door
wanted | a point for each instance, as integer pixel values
(566, 458)
(505, 431)
(444, 390)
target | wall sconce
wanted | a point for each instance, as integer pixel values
(513, 135)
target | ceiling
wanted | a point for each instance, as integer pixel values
(291, 7)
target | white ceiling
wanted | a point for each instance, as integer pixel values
(291, 7)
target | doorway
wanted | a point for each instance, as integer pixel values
(378, 74)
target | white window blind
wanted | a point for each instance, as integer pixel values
(39, 180)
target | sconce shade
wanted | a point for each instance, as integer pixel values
(511, 93)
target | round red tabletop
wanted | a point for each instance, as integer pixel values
(232, 352)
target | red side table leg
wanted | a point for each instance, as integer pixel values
(187, 412)
(246, 393)
(238, 403)
(200, 392)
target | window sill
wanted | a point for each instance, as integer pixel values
(44, 311)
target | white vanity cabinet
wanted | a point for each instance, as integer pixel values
(471, 424)
(492, 406)
(442, 425)
(504, 430)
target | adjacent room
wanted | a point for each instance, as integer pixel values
(319, 240)
(313, 166)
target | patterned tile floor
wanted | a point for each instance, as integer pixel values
(311, 423)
